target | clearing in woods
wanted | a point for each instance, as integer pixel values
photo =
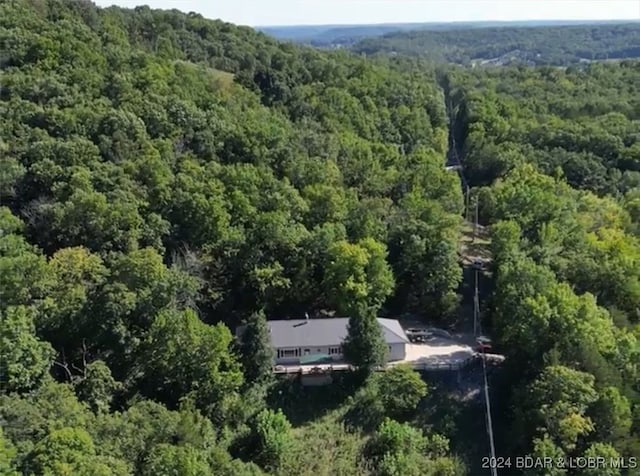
(225, 79)
(471, 249)
(222, 78)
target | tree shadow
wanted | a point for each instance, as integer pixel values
(461, 422)
(302, 404)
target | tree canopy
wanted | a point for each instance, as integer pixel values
(165, 178)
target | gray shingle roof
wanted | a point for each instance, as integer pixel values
(325, 332)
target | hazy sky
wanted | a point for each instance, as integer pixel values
(319, 12)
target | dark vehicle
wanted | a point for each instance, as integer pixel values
(417, 335)
(440, 333)
(478, 264)
(484, 344)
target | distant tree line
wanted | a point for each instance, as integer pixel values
(501, 46)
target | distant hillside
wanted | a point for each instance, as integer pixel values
(539, 45)
(335, 35)
(347, 35)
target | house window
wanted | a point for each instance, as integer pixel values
(307, 351)
(284, 353)
(335, 350)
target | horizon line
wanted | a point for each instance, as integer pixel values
(327, 25)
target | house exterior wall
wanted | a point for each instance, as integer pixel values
(397, 351)
(292, 355)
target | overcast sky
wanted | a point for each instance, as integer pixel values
(322, 12)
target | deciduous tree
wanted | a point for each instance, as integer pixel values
(400, 389)
(24, 359)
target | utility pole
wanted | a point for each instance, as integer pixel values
(475, 222)
(476, 306)
(466, 200)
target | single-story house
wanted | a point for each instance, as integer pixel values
(299, 340)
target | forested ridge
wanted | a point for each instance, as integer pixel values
(551, 155)
(507, 45)
(166, 178)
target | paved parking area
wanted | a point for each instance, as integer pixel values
(438, 353)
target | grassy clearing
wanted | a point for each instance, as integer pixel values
(471, 248)
(223, 78)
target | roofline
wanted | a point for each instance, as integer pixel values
(324, 319)
(403, 337)
(381, 320)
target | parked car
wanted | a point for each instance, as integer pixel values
(478, 264)
(484, 348)
(440, 333)
(484, 344)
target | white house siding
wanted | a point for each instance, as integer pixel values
(335, 351)
(397, 351)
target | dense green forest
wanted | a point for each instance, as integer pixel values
(165, 178)
(553, 158)
(582, 123)
(539, 45)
